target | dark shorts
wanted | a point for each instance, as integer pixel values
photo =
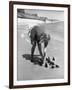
(35, 38)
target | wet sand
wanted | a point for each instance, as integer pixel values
(29, 71)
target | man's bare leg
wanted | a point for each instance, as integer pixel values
(45, 51)
(45, 55)
(40, 51)
(32, 50)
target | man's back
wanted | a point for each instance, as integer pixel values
(39, 33)
(38, 29)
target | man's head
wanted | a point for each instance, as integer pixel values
(45, 38)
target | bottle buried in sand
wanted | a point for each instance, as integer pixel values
(51, 63)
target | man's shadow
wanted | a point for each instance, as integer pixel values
(36, 59)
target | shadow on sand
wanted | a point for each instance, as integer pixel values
(36, 58)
